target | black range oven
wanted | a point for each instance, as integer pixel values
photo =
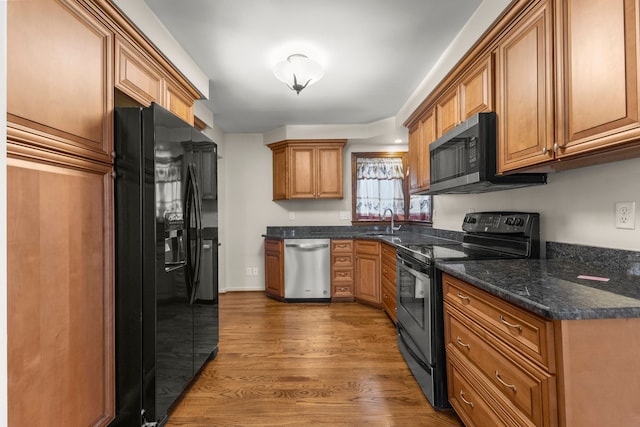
(488, 235)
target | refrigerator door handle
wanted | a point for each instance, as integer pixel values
(189, 206)
(199, 241)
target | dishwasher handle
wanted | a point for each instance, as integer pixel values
(307, 245)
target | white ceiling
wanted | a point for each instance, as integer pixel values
(375, 54)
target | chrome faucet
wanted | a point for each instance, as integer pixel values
(384, 214)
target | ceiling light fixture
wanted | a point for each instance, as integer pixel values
(298, 71)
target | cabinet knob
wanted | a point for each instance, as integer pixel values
(545, 150)
(556, 147)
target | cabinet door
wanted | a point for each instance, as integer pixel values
(60, 290)
(205, 158)
(60, 77)
(428, 131)
(136, 75)
(302, 166)
(279, 162)
(476, 90)
(415, 155)
(367, 277)
(599, 89)
(524, 91)
(274, 268)
(447, 112)
(178, 101)
(329, 172)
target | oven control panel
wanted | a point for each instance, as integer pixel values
(499, 222)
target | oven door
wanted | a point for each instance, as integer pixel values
(414, 302)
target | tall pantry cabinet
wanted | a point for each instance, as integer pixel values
(63, 59)
(59, 215)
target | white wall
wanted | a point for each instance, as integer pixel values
(249, 207)
(480, 21)
(575, 206)
(3, 214)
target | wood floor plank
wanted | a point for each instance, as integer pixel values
(305, 364)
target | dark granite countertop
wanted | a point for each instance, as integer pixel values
(405, 236)
(553, 289)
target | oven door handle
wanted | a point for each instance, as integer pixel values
(409, 267)
(418, 359)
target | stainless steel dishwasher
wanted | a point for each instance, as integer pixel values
(307, 269)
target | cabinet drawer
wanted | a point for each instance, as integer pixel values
(342, 260)
(272, 246)
(370, 247)
(472, 409)
(515, 379)
(342, 275)
(525, 332)
(388, 272)
(342, 292)
(342, 246)
(388, 254)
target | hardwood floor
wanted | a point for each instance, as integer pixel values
(304, 364)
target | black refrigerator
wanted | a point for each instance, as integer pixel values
(166, 257)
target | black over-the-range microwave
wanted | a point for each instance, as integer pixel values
(464, 160)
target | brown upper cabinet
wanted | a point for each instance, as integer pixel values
(476, 89)
(140, 77)
(597, 69)
(423, 134)
(53, 100)
(307, 169)
(524, 95)
(136, 74)
(178, 100)
(447, 111)
(593, 108)
(565, 75)
(473, 93)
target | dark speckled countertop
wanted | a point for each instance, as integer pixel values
(552, 289)
(408, 235)
(549, 287)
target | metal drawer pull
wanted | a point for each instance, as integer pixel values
(511, 325)
(465, 400)
(462, 344)
(511, 386)
(464, 297)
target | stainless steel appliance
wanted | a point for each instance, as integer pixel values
(307, 270)
(166, 304)
(488, 235)
(464, 160)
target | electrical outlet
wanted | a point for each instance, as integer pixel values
(254, 271)
(345, 215)
(292, 215)
(248, 271)
(626, 215)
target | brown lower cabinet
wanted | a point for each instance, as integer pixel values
(274, 268)
(342, 270)
(507, 366)
(60, 289)
(388, 280)
(367, 278)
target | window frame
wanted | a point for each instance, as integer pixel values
(404, 155)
